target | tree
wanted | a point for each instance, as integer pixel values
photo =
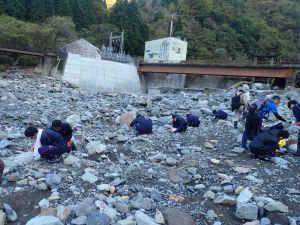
(62, 8)
(63, 30)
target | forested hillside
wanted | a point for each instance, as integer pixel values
(215, 29)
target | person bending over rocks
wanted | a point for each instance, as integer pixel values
(266, 144)
(1, 169)
(65, 130)
(179, 124)
(192, 120)
(220, 115)
(142, 125)
(49, 144)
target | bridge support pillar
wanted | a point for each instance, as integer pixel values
(45, 65)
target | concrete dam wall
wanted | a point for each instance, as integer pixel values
(90, 73)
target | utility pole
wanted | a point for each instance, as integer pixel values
(172, 22)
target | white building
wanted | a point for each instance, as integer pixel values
(168, 49)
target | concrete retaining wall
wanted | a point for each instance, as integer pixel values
(101, 74)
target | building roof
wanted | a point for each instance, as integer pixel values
(81, 43)
(167, 38)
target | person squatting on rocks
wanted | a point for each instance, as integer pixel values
(295, 107)
(179, 124)
(49, 144)
(65, 130)
(1, 169)
(193, 120)
(220, 115)
(266, 144)
(142, 125)
(238, 106)
(257, 111)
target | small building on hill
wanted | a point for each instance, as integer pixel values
(83, 48)
(165, 50)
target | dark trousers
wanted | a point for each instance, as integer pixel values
(298, 146)
(52, 152)
(141, 131)
(265, 151)
(1, 169)
(196, 124)
(252, 128)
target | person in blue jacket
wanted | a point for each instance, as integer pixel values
(179, 123)
(142, 125)
(295, 107)
(192, 120)
(51, 145)
(220, 114)
(270, 106)
(65, 130)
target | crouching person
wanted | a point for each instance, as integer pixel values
(65, 130)
(179, 124)
(192, 120)
(1, 169)
(267, 143)
(142, 125)
(49, 144)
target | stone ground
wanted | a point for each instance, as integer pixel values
(125, 173)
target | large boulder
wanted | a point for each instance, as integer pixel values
(97, 219)
(143, 219)
(244, 196)
(95, 147)
(276, 206)
(175, 217)
(44, 220)
(126, 118)
(179, 176)
(246, 211)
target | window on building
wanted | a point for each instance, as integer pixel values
(173, 48)
(178, 50)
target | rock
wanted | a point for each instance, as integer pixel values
(276, 206)
(238, 150)
(208, 145)
(126, 118)
(254, 179)
(86, 207)
(128, 221)
(244, 196)
(293, 191)
(44, 203)
(278, 218)
(44, 220)
(255, 222)
(81, 220)
(265, 221)
(53, 179)
(88, 177)
(2, 218)
(110, 212)
(159, 217)
(211, 215)
(228, 189)
(42, 187)
(15, 161)
(175, 217)
(209, 195)
(225, 200)
(171, 161)
(241, 170)
(293, 148)
(179, 176)
(143, 219)
(142, 203)
(103, 187)
(279, 161)
(63, 213)
(71, 160)
(246, 211)
(158, 157)
(4, 144)
(122, 207)
(95, 147)
(14, 177)
(74, 120)
(11, 214)
(97, 219)
(215, 161)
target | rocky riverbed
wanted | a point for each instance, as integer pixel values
(115, 177)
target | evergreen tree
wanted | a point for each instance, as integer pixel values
(62, 8)
(14, 8)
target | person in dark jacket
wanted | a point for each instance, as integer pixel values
(49, 144)
(65, 130)
(220, 114)
(295, 107)
(271, 106)
(253, 127)
(192, 120)
(179, 123)
(142, 125)
(265, 144)
(1, 169)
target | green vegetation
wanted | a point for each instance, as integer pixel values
(215, 29)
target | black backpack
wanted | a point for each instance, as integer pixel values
(236, 102)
